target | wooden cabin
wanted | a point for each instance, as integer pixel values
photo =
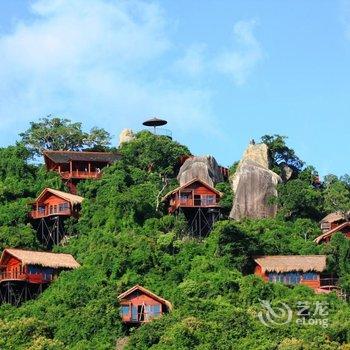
(343, 228)
(78, 165)
(194, 194)
(332, 220)
(307, 270)
(74, 166)
(139, 305)
(33, 267)
(52, 202)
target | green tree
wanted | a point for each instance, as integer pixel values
(153, 153)
(281, 153)
(336, 195)
(54, 133)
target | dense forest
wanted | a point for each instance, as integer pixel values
(121, 239)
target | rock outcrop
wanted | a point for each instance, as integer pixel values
(204, 168)
(254, 185)
(126, 135)
(286, 172)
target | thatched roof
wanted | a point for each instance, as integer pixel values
(289, 263)
(53, 260)
(330, 233)
(334, 217)
(71, 198)
(190, 183)
(62, 157)
(147, 292)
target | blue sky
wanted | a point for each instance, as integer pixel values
(221, 72)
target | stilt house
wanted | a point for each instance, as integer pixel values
(52, 202)
(198, 201)
(24, 274)
(75, 166)
(50, 209)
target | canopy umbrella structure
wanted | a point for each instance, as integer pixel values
(154, 122)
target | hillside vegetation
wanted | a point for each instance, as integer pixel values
(121, 240)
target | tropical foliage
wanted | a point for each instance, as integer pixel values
(122, 239)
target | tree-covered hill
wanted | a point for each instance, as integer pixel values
(121, 239)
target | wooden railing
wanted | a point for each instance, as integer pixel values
(12, 275)
(38, 214)
(21, 276)
(329, 283)
(203, 202)
(79, 174)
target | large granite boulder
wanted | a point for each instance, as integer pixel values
(204, 168)
(254, 185)
(287, 172)
(126, 135)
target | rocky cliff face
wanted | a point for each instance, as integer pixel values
(205, 168)
(126, 135)
(254, 185)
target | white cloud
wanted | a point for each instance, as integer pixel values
(93, 60)
(193, 62)
(241, 60)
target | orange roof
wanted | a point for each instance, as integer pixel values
(72, 198)
(331, 232)
(288, 263)
(177, 189)
(334, 217)
(147, 292)
(63, 157)
(46, 259)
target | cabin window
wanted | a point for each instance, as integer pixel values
(63, 206)
(41, 209)
(287, 278)
(208, 199)
(310, 276)
(55, 208)
(292, 278)
(124, 310)
(134, 313)
(185, 196)
(155, 310)
(325, 226)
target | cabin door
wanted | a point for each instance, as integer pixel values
(134, 313)
(197, 200)
(141, 312)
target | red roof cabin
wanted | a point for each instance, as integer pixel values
(333, 220)
(52, 202)
(139, 305)
(343, 228)
(78, 165)
(194, 194)
(307, 270)
(32, 266)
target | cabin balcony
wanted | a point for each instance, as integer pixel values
(55, 210)
(200, 203)
(79, 174)
(8, 276)
(328, 284)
